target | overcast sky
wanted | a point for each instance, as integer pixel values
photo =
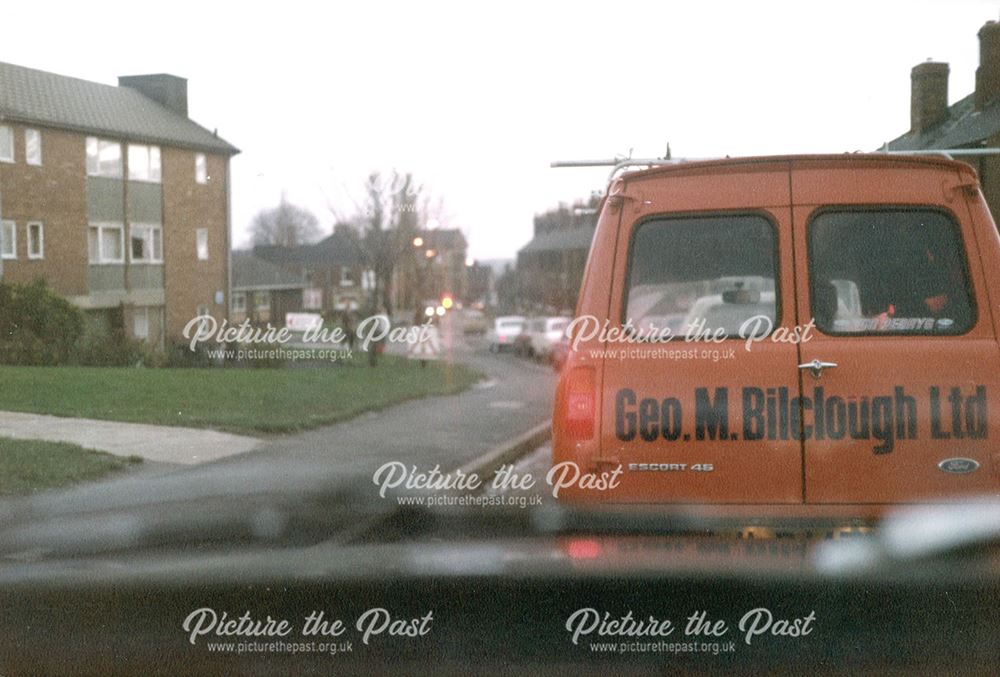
(476, 100)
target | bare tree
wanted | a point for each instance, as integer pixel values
(287, 225)
(391, 217)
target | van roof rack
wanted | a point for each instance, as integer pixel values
(619, 164)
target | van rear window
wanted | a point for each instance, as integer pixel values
(888, 271)
(693, 274)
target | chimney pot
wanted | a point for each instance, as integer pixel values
(928, 95)
(988, 73)
(167, 90)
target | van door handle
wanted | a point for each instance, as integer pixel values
(816, 367)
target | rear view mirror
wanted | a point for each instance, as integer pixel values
(741, 297)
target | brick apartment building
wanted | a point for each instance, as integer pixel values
(115, 197)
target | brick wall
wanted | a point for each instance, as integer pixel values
(54, 193)
(188, 206)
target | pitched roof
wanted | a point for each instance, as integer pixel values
(251, 272)
(561, 240)
(444, 238)
(338, 249)
(43, 98)
(963, 127)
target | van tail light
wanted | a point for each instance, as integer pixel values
(581, 403)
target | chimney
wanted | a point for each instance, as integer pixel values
(928, 95)
(988, 73)
(168, 90)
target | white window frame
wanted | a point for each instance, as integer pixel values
(239, 302)
(40, 254)
(202, 312)
(151, 164)
(12, 225)
(201, 244)
(346, 277)
(8, 132)
(149, 231)
(94, 146)
(200, 168)
(267, 298)
(101, 258)
(29, 157)
(142, 312)
(312, 298)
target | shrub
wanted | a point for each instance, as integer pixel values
(37, 326)
(181, 355)
(113, 347)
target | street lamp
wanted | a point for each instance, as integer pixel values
(418, 241)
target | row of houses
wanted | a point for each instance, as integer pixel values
(551, 264)
(330, 277)
(119, 200)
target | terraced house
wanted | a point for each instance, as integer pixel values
(115, 197)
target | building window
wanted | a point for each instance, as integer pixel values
(261, 300)
(200, 168)
(147, 244)
(346, 277)
(144, 163)
(6, 144)
(33, 146)
(239, 302)
(106, 243)
(312, 299)
(36, 241)
(8, 240)
(201, 237)
(104, 158)
(202, 311)
(140, 323)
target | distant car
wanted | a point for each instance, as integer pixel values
(474, 321)
(560, 350)
(505, 331)
(727, 312)
(522, 344)
(546, 335)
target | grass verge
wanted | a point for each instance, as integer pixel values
(32, 465)
(250, 401)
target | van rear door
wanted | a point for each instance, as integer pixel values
(709, 251)
(901, 403)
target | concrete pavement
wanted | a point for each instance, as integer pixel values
(163, 444)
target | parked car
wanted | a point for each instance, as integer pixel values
(522, 343)
(845, 338)
(543, 334)
(474, 321)
(560, 350)
(505, 330)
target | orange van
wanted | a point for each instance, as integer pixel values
(804, 334)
